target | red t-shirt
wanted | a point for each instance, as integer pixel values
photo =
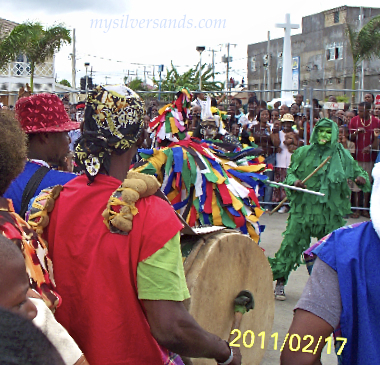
(96, 271)
(364, 139)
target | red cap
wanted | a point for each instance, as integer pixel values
(42, 113)
(80, 106)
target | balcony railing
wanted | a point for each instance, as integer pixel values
(22, 69)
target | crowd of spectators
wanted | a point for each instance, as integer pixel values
(280, 129)
(256, 123)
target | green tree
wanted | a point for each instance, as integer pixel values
(364, 44)
(64, 82)
(32, 40)
(173, 81)
(136, 85)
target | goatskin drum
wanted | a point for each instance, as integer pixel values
(218, 267)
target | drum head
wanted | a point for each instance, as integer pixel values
(218, 268)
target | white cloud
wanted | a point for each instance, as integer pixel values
(51, 7)
(246, 22)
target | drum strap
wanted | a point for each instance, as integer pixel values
(31, 188)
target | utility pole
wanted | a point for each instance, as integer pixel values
(86, 64)
(213, 62)
(160, 69)
(73, 70)
(200, 49)
(269, 82)
(362, 63)
(228, 65)
(227, 60)
(107, 77)
(144, 75)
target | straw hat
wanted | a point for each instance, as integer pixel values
(287, 118)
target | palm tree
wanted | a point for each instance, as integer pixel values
(365, 44)
(190, 79)
(35, 42)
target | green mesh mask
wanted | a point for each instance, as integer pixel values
(324, 135)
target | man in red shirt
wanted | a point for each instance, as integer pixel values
(361, 130)
(122, 293)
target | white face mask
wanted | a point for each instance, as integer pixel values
(375, 198)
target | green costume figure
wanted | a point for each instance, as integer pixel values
(312, 215)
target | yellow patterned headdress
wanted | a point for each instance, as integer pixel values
(113, 123)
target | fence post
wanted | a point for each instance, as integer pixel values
(311, 110)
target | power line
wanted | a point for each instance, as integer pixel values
(151, 64)
(131, 63)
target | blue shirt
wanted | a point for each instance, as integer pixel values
(354, 252)
(16, 189)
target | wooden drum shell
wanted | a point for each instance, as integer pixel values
(218, 267)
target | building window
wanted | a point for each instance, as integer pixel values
(253, 64)
(334, 51)
(339, 51)
(279, 60)
(20, 58)
(330, 53)
(336, 17)
(265, 61)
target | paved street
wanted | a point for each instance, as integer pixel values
(271, 240)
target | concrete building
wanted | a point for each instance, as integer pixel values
(323, 54)
(17, 73)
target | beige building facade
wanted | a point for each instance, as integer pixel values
(325, 60)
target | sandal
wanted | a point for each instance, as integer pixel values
(365, 214)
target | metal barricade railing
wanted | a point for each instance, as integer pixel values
(308, 111)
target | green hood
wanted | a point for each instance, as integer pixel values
(325, 123)
(340, 167)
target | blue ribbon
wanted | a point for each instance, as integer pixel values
(178, 158)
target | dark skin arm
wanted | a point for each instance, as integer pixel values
(300, 126)
(220, 100)
(354, 133)
(376, 141)
(306, 324)
(360, 180)
(174, 328)
(300, 184)
(275, 136)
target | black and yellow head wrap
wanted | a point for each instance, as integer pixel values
(113, 123)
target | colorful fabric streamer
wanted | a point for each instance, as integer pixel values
(170, 121)
(206, 188)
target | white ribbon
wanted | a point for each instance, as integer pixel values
(375, 198)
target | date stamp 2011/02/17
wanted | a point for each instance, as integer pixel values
(294, 341)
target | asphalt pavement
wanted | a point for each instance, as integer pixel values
(270, 240)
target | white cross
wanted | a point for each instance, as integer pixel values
(286, 81)
(287, 26)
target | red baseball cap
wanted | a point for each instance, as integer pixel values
(41, 113)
